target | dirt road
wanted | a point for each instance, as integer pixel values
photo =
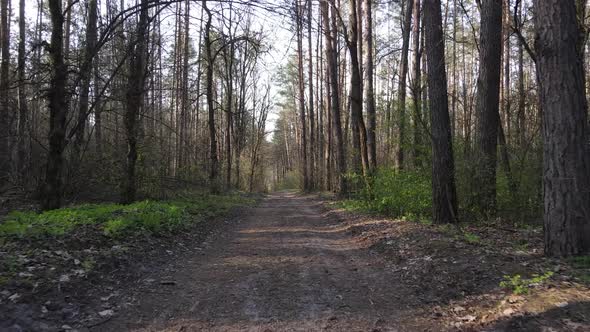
(291, 264)
(285, 266)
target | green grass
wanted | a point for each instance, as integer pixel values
(117, 220)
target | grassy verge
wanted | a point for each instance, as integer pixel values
(115, 220)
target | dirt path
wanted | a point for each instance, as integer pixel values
(287, 266)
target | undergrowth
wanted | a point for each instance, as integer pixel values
(116, 220)
(519, 285)
(406, 195)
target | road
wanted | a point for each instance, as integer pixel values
(286, 265)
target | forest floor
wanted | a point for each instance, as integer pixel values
(298, 263)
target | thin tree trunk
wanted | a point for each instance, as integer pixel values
(402, 83)
(417, 88)
(301, 98)
(86, 74)
(214, 170)
(4, 94)
(312, 124)
(369, 90)
(23, 111)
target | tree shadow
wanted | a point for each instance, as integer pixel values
(571, 317)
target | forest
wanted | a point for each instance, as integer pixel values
(126, 120)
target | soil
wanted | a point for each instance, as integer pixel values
(297, 263)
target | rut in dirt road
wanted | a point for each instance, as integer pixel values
(286, 266)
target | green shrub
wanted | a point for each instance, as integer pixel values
(402, 194)
(519, 286)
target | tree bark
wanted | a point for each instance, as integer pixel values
(134, 101)
(488, 103)
(4, 93)
(443, 167)
(58, 110)
(330, 35)
(301, 97)
(402, 83)
(312, 124)
(417, 88)
(369, 90)
(566, 162)
(359, 133)
(23, 111)
(214, 166)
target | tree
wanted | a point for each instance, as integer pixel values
(86, 74)
(417, 86)
(488, 103)
(444, 197)
(566, 160)
(359, 133)
(330, 35)
(134, 100)
(22, 102)
(209, 59)
(4, 93)
(407, 22)
(58, 109)
(301, 97)
(369, 91)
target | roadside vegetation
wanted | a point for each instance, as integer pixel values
(149, 217)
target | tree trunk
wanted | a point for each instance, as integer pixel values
(402, 83)
(566, 162)
(369, 90)
(214, 170)
(85, 75)
(330, 35)
(58, 110)
(521, 118)
(443, 167)
(359, 134)
(5, 154)
(488, 103)
(312, 124)
(23, 111)
(134, 101)
(417, 88)
(301, 97)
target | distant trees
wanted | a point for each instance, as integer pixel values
(110, 102)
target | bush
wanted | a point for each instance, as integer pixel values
(397, 194)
